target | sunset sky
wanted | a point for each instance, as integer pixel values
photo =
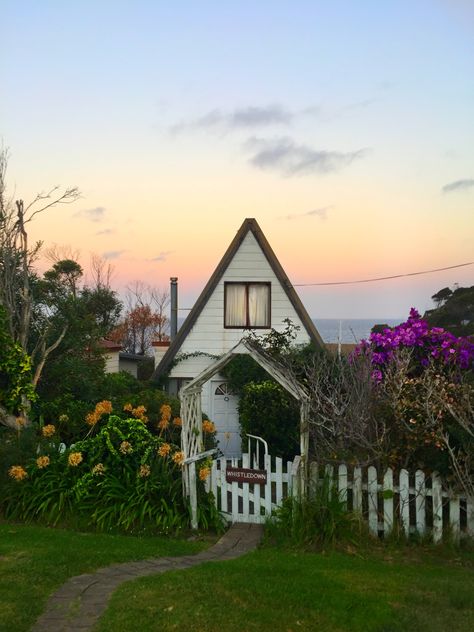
(345, 128)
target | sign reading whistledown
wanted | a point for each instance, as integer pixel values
(243, 475)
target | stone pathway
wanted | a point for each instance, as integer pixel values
(79, 603)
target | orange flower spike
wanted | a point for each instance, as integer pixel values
(204, 473)
(165, 411)
(138, 412)
(74, 459)
(164, 449)
(144, 471)
(17, 472)
(163, 424)
(103, 408)
(42, 461)
(178, 458)
(92, 419)
(208, 426)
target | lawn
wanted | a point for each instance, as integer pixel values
(34, 561)
(391, 591)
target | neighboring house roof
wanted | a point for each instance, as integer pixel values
(109, 345)
(249, 225)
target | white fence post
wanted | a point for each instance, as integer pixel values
(404, 490)
(420, 501)
(357, 490)
(295, 478)
(373, 501)
(437, 493)
(454, 518)
(388, 501)
(470, 516)
(342, 484)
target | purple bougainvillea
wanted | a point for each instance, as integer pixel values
(428, 344)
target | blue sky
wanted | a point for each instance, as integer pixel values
(340, 126)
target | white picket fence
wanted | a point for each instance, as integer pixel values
(412, 503)
(250, 502)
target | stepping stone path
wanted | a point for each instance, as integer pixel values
(79, 603)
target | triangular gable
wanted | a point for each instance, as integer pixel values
(249, 225)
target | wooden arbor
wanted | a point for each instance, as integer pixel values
(190, 396)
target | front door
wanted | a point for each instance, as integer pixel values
(225, 415)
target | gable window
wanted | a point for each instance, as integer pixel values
(246, 305)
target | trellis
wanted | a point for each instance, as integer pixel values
(191, 414)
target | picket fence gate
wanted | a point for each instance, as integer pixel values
(411, 502)
(250, 502)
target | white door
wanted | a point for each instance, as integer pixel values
(225, 415)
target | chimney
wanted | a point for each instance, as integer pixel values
(160, 347)
(174, 307)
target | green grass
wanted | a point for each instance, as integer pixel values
(34, 561)
(384, 591)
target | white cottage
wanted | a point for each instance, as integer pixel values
(248, 290)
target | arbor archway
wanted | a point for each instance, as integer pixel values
(191, 413)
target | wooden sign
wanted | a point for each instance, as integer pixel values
(243, 475)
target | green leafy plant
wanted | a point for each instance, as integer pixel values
(315, 522)
(15, 372)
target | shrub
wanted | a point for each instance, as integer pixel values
(121, 478)
(312, 523)
(268, 411)
(422, 378)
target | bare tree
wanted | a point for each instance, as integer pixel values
(17, 259)
(57, 253)
(145, 320)
(101, 272)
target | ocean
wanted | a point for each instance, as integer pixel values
(351, 330)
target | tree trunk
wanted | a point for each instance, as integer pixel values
(10, 421)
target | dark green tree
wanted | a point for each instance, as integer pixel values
(454, 311)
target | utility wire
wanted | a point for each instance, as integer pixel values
(395, 276)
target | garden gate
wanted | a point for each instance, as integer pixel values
(250, 488)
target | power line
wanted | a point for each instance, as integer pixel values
(395, 276)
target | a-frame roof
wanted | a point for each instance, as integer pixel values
(249, 225)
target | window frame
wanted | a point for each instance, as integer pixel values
(247, 284)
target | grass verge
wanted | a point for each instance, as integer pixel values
(34, 561)
(271, 589)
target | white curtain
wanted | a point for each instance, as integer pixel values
(259, 306)
(235, 312)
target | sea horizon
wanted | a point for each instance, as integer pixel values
(350, 330)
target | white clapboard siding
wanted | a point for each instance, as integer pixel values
(208, 334)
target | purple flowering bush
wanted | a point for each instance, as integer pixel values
(427, 345)
(422, 379)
